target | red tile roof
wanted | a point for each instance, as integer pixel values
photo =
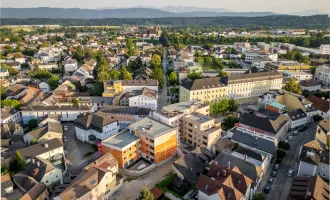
(320, 104)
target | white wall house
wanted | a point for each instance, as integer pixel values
(143, 102)
(322, 74)
(9, 114)
(297, 118)
(70, 65)
(66, 113)
(48, 66)
(89, 129)
(4, 72)
(44, 87)
(325, 49)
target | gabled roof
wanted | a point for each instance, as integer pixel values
(309, 83)
(40, 148)
(320, 104)
(297, 114)
(126, 110)
(98, 119)
(205, 83)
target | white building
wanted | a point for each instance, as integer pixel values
(96, 127)
(70, 65)
(300, 76)
(298, 118)
(4, 72)
(322, 74)
(9, 114)
(145, 98)
(44, 87)
(48, 65)
(66, 113)
(310, 85)
(325, 49)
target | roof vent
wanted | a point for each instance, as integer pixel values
(46, 145)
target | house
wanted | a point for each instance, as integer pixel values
(95, 127)
(7, 186)
(146, 138)
(49, 131)
(44, 87)
(8, 132)
(98, 180)
(145, 98)
(300, 76)
(30, 187)
(324, 126)
(126, 115)
(15, 65)
(313, 162)
(23, 76)
(10, 115)
(310, 85)
(19, 57)
(70, 65)
(313, 187)
(224, 183)
(48, 65)
(4, 72)
(44, 172)
(322, 106)
(192, 164)
(200, 130)
(66, 113)
(322, 74)
(34, 96)
(298, 118)
(319, 139)
(274, 128)
(16, 91)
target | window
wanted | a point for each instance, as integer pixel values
(323, 167)
(204, 137)
(205, 143)
(323, 175)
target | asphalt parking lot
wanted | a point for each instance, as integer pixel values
(282, 182)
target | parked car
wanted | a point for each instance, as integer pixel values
(290, 172)
(274, 173)
(65, 127)
(295, 133)
(289, 138)
(270, 181)
(65, 139)
(267, 189)
(276, 166)
(303, 129)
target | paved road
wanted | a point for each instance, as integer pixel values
(282, 183)
(162, 98)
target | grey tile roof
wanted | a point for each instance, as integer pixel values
(40, 148)
(309, 83)
(98, 120)
(126, 110)
(259, 143)
(296, 114)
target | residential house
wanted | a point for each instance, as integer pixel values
(10, 115)
(4, 72)
(70, 65)
(98, 180)
(300, 76)
(322, 74)
(7, 186)
(30, 188)
(15, 65)
(16, 91)
(49, 131)
(322, 106)
(8, 133)
(145, 98)
(313, 187)
(44, 86)
(95, 127)
(147, 138)
(48, 65)
(310, 85)
(298, 118)
(286, 65)
(66, 113)
(200, 130)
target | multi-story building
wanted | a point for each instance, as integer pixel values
(66, 113)
(300, 76)
(325, 49)
(288, 65)
(207, 90)
(113, 88)
(297, 118)
(147, 138)
(322, 106)
(4, 72)
(200, 130)
(95, 127)
(9, 114)
(322, 74)
(98, 180)
(70, 65)
(48, 66)
(145, 98)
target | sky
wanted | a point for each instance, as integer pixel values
(277, 6)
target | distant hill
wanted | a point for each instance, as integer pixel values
(308, 12)
(45, 12)
(181, 9)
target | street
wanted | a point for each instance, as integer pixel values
(162, 97)
(282, 183)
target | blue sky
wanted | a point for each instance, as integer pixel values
(278, 6)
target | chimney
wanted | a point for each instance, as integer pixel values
(228, 164)
(33, 161)
(46, 145)
(38, 163)
(224, 173)
(245, 158)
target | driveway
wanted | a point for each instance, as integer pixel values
(282, 183)
(131, 188)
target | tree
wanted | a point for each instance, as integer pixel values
(53, 82)
(258, 196)
(208, 60)
(130, 47)
(98, 89)
(136, 64)
(284, 145)
(145, 194)
(292, 86)
(164, 39)
(75, 101)
(229, 122)
(313, 69)
(78, 54)
(125, 75)
(223, 106)
(158, 75)
(33, 123)
(18, 164)
(281, 153)
(4, 170)
(3, 91)
(172, 78)
(34, 141)
(156, 61)
(223, 74)
(233, 105)
(115, 75)
(12, 71)
(195, 75)
(12, 103)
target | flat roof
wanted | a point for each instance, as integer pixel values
(180, 106)
(198, 117)
(121, 140)
(151, 127)
(277, 105)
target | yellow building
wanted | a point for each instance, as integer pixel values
(208, 90)
(244, 88)
(287, 66)
(112, 88)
